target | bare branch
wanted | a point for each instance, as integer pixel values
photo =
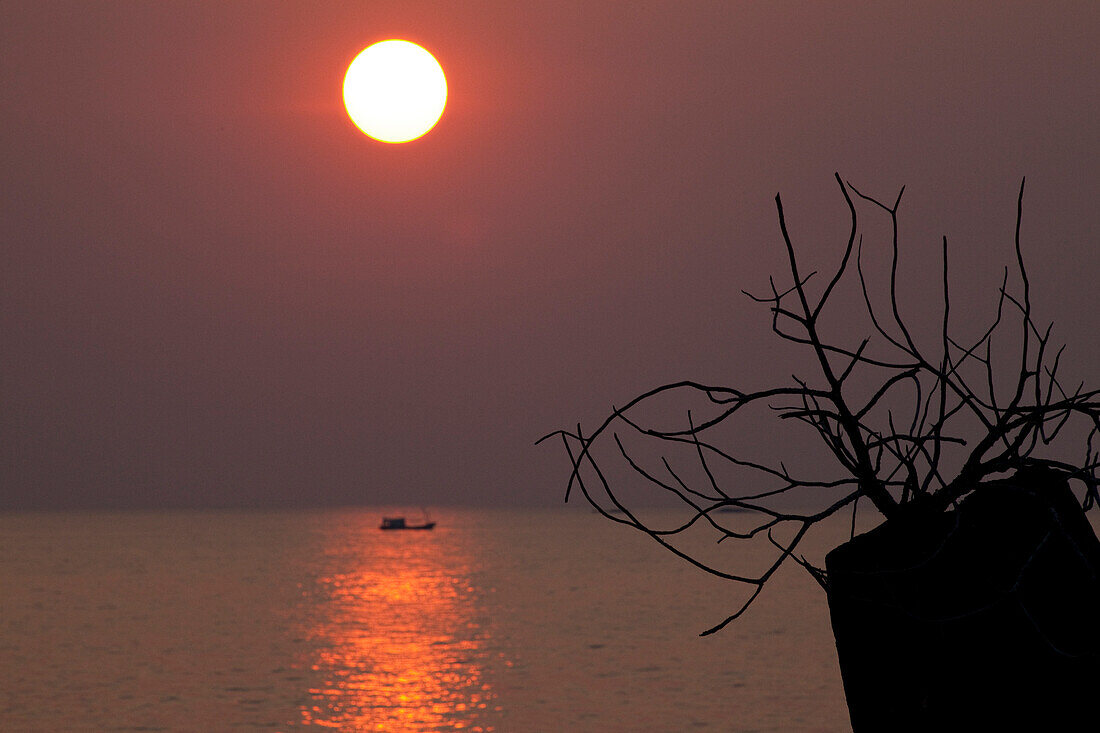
(934, 455)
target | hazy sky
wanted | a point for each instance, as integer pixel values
(214, 290)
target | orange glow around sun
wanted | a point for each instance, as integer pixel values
(395, 91)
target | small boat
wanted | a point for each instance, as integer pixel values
(400, 523)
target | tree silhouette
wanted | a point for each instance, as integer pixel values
(907, 421)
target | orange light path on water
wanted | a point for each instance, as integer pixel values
(398, 643)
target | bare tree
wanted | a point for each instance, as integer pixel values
(905, 422)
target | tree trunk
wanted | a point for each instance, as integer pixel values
(983, 617)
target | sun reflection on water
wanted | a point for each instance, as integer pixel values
(399, 642)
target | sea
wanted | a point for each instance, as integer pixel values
(523, 620)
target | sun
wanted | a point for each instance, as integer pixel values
(395, 91)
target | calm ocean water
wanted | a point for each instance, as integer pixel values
(526, 620)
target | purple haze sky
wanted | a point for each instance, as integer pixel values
(216, 291)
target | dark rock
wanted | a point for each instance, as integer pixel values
(983, 617)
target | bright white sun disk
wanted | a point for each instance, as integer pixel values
(395, 91)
